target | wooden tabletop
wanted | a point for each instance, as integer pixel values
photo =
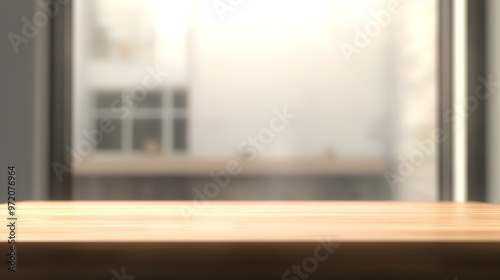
(273, 221)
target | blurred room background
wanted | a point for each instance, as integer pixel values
(184, 84)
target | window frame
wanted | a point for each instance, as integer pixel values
(60, 105)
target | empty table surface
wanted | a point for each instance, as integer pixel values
(247, 221)
(83, 240)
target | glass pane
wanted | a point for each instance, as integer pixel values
(108, 99)
(336, 96)
(111, 130)
(180, 99)
(180, 134)
(152, 99)
(147, 135)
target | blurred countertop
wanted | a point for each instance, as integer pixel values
(132, 165)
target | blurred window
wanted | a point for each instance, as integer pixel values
(201, 86)
(140, 125)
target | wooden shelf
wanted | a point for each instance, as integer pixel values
(185, 166)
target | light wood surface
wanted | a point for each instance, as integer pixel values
(273, 221)
(255, 240)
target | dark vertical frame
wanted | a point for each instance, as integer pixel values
(476, 121)
(445, 98)
(60, 99)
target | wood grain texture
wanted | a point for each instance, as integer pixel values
(217, 221)
(256, 240)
